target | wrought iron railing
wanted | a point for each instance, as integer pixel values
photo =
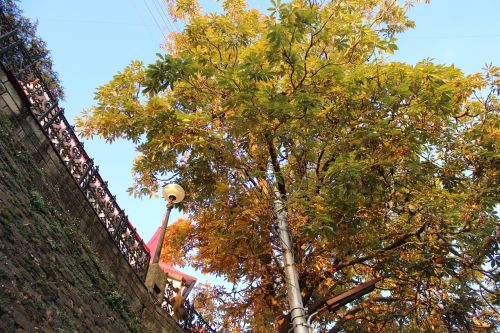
(15, 57)
(193, 321)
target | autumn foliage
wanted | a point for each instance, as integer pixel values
(387, 169)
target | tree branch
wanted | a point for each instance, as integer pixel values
(280, 180)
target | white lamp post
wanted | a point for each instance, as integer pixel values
(173, 194)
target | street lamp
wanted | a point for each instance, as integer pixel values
(173, 194)
(156, 279)
(334, 303)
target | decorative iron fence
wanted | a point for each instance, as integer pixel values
(193, 322)
(16, 58)
(44, 107)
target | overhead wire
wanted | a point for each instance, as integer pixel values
(452, 36)
(150, 33)
(177, 27)
(93, 22)
(154, 19)
(164, 15)
(158, 11)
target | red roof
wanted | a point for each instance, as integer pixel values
(166, 266)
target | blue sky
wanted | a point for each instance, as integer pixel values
(91, 40)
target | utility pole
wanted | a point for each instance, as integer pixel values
(297, 312)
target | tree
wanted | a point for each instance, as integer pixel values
(40, 59)
(386, 169)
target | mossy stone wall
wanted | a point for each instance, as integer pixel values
(59, 269)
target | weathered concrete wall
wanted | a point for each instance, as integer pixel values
(59, 267)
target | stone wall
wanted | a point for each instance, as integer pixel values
(60, 270)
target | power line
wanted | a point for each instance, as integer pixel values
(452, 37)
(150, 34)
(154, 18)
(157, 11)
(163, 15)
(165, 12)
(93, 22)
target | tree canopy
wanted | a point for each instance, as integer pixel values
(386, 169)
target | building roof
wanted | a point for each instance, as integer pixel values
(166, 266)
